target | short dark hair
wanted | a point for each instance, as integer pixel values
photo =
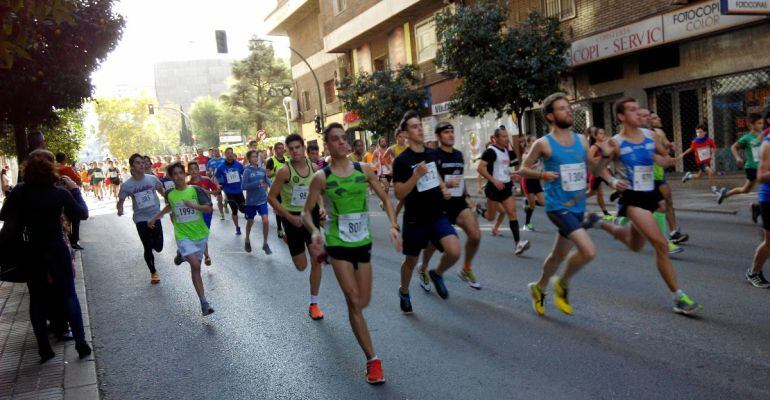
(229, 148)
(357, 141)
(294, 137)
(174, 165)
(328, 129)
(275, 146)
(61, 157)
(134, 157)
(252, 141)
(407, 116)
(754, 117)
(249, 153)
(553, 98)
(703, 127)
(620, 105)
(498, 130)
(312, 147)
(191, 163)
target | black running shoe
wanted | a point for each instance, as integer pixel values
(438, 282)
(721, 195)
(614, 196)
(755, 212)
(406, 302)
(178, 260)
(678, 237)
(757, 279)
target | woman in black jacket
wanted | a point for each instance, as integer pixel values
(40, 201)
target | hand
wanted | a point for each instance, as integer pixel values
(739, 162)
(151, 223)
(421, 169)
(395, 238)
(620, 185)
(69, 183)
(295, 220)
(607, 148)
(445, 193)
(497, 184)
(189, 203)
(549, 176)
(322, 213)
(515, 176)
(317, 242)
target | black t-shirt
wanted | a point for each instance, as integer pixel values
(490, 156)
(419, 207)
(452, 164)
(113, 173)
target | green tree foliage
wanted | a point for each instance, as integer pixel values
(380, 99)
(66, 133)
(504, 68)
(56, 73)
(128, 128)
(207, 115)
(254, 76)
(19, 22)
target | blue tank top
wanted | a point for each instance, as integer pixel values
(636, 163)
(568, 191)
(764, 188)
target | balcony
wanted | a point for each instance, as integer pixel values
(287, 13)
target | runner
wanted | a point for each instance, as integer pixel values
(358, 151)
(273, 165)
(532, 189)
(256, 184)
(347, 239)
(418, 184)
(292, 182)
(147, 166)
(202, 161)
(383, 156)
(96, 176)
(211, 188)
(754, 275)
(314, 155)
(141, 189)
(595, 139)
(187, 205)
(750, 142)
(703, 147)
(212, 166)
(565, 155)
(228, 175)
(635, 154)
(459, 208)
(494, 166)
(114, 174)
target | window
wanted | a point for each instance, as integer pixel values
(381, 64)
(659, 58)
(425, 40)
(605, 71)
(331, 95)
(561, 9)
(339, 6)
(306, 100)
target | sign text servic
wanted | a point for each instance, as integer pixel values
(637, 36)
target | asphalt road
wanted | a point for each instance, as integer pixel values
(622, 342)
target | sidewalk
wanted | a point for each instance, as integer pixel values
(21, 376)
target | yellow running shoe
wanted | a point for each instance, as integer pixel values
(538, 298)
(560, 297)
(154, 278)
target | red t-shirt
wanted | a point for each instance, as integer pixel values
(205, 183)
(703, 150)
(202, 162)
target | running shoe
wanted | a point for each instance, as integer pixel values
(469, 277)
(721, 195)
(674, 249)
(609, 217)
(521, 247)
(684, 305)
(495, 232)
(538, 298)
(206, 309)
(315, 312)
(247, 246)
(281, 234)
(178, 260)
(755, 212)
(560, 296)
(207, 260)
(757, 279)
(438, 282)
(614, 196)
(527, 228)
(714, 190)
(678, 237)
(591, 220)
(405, 302)
(221, 217)
(238, 231)
(687, 177)
(480, 210)
(79, 247)
(154, 278)
(266, 249)
(382, 206)
(374, 374)
(424, 282)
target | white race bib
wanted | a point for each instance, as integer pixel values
(353, 227)
(113, 174)
(430, 179)
(704, 153)
(183, 214)
(456, 191)
(145, 199)
(98, 174)
(201, 167)
(755, 153)
(168, 185)
(643, 180)
(299, 196)
(573, 177)
(233, 176)
(502, 170)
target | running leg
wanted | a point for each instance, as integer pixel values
(451, 245)
(356, 285)
(645, 227)
(195, 274)
(762, 253)
(147, 237)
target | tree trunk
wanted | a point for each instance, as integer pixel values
(20, 136)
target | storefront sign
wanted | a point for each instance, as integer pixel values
(700, 19)
(751, 7)
(442, 108)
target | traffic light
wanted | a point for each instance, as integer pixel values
(221, 41)
(318, 127)
(151, 109)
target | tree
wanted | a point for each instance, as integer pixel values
(504, 68)
(128, 128)
(56, 75)
(66, 133)
(19, 20)
(254, 76)
(380, 99)
(207, 116)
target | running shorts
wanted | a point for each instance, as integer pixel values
(251, 211)
(387, 177)
(751, 174)
(566, 221)
(702, 166)
(416, 236)
(597, 181)
(236, 202)
(194, 248)
(353, 255)
(207, 219)
(532, 186)
(646, 200)
(659, 183)
(453, 210)
(764, 208)
(298, 237)
(498, 195)
(115, 182)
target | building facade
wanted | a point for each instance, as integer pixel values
(182, 82)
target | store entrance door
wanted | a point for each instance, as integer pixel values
(681, 109)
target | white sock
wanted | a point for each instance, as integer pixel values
(373, 358)
(313, 299)
(678, 293)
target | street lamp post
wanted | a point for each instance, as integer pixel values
(286, 102)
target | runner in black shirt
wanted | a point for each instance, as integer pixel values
(418, 184)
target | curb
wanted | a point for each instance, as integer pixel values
(80, 379)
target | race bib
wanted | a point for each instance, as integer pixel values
(502, 171)
(98, 175)
(184, 214)
(168, 185)
(233, 177)
(201, 167)
(456, 191)
(113, 175)
(353, 227)
(573, 176)
(145, 199)
(299, 196)
(643, 180)
(755, 153)
(704, 153)
(430, 179)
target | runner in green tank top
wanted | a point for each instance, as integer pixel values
(288, 196)
(347, 237)
(272, 166)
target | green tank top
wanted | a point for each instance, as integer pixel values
(294, 191)
(276, 164)
(657, 172)
(348, 225)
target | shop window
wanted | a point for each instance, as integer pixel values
(658, 59)
(381, 64)
(329, 92)
(425, 40)
(339, 6)
(605, 71)
(561, 9)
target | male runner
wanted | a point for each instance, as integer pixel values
(212, 166)
(114, 174)
(142, 188)
(211, 188)
(418, 184)
(532, 189)
(256, 184)
(754, 275)
(494, 167)
(228, 176)
(458, 208)
(703, 148)
(750, 142)
(635, 155)
(358, 151)
(202, 161)
(273, 165)
(187, 205)
(97, 180)
(384, 158)
(347, 240)
(314, 155)
(565, 156)
(292, 182)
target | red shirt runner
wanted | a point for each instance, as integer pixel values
(703, 150)
(202, 162)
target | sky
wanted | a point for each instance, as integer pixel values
(176, 30)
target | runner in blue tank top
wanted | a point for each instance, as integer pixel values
(755, 275)
(565, 156)
(634, 155)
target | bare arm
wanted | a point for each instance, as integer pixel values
(314, 196)
(402, 189)
(275, 190)
(375, 185)
(530, 158)
(734, 149)
(661, 156)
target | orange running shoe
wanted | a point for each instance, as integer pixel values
(315, 312)
(374, 374)
(154, 278)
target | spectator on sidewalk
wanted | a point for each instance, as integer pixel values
(62, 165)
(5, 182)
